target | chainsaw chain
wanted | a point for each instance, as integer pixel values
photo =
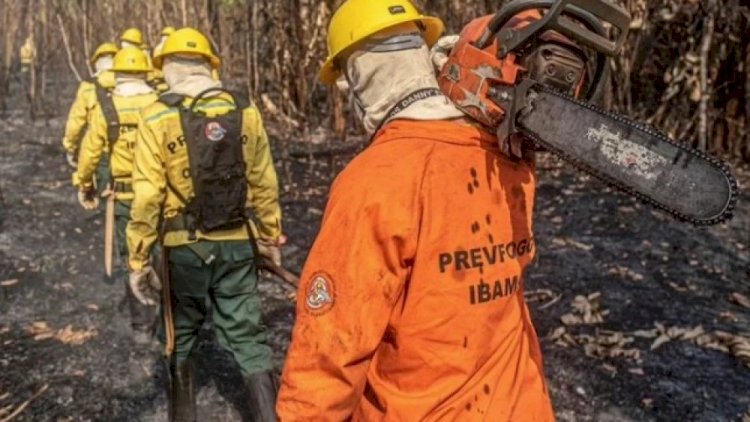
(717, 163)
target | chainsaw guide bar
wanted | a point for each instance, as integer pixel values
(673, 176)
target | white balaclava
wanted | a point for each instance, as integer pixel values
(131, 84)
(126, 44)
(160, 45)
(188, 76)
(102, 64)
(386, 70)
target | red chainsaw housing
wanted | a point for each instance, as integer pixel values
(469, 73)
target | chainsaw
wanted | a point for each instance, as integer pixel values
(531, 73)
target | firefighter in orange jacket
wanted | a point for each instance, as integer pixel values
(410, 305)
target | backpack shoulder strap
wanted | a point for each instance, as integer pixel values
(242, 100)
(107, 104)
(171, 99)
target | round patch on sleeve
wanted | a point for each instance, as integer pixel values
(320, 295)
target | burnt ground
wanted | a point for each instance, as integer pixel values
(64, 340)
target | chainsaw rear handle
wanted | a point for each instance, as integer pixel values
(591, 13)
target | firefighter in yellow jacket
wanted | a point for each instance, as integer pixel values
(85, 100)
(202, 161)
(112, 133)
(156, 77)
(28, 54)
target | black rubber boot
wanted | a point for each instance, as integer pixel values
(181, 393)
(262, 389)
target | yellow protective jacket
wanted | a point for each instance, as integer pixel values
(80, 111)
(95, 143)
(162, 167)
(156, 80)
(410, 306)
(28, 52)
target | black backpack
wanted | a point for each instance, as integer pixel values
(217, 165)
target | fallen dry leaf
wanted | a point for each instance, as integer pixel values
(740, 299)
(659, 341)
(557, 333)
(692, 334)
(66, 287)
(610, 369)
(579, 245)
(586, 310)
(728, 316)
(608, 344)
(40, 330)
(625, 272)
(538, 295)
(652, 333)
(546, 296)
(636, 371)
(677, 287)
(562, 338)
(5, 410)
(559, 241)
(68, 335)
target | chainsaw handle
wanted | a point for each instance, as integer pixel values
(591, 13)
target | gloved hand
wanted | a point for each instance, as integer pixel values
(88, 199)
(271, 249)
(441, 50)
(145, 285)
(72, 159)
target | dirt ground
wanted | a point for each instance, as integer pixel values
(66, 354)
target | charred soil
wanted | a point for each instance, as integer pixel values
(66, 350)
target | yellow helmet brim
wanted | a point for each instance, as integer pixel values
(432, 28)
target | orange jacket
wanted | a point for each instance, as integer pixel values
(411, 302)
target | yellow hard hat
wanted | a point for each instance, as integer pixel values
(356, 20)
(103, 50)
(133, 36)
(167, 31)
(131, 60)
(187, 41)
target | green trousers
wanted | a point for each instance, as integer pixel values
(141, 316)
(225, 273)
